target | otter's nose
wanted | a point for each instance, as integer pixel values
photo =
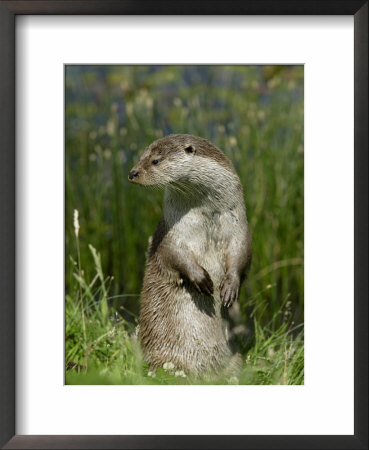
(133, 174)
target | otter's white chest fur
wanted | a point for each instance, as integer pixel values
(207, 234)
(205, 219)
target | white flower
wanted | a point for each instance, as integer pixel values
(151, 374)
(261, 114)
(149, 102)
(110, 127)
(233, 141)
(233, 380)
(76, 222)
(177, 102)
(107, 153)
(180, 373)
(129, 108)
(168, 366)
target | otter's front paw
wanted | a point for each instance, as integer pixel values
(229, 288)
(202, 281)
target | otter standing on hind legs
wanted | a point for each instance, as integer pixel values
(197, 258)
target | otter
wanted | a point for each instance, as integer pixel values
(197, 258)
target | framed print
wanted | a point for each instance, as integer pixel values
(183, 99)
(228, 129)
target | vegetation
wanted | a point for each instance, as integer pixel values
(255, 115)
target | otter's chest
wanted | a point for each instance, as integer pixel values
(207, 234)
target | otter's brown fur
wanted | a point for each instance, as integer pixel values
(198, 256)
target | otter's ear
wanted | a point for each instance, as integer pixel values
(190, 149)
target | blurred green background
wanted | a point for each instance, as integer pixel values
(255, 114)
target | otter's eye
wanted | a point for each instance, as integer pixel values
(155, 161)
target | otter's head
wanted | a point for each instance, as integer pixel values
(167, 160)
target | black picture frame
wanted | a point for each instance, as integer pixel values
(8, 12)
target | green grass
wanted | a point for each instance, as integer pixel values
(255, 115)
